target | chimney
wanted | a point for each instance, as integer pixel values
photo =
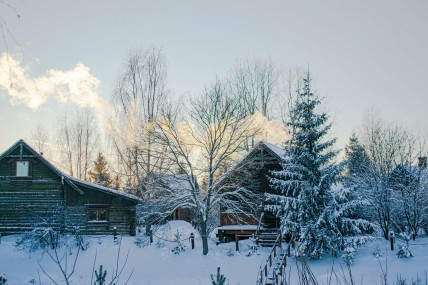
(422, 161)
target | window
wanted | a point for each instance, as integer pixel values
(97, 213)
(23, 168)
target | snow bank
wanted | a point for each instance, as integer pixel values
(155, 264)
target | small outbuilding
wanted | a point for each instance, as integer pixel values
(34, 193)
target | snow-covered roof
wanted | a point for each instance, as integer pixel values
(279, 151)
(68, 178)
(175, 181)
(103, 189)
(274, 150)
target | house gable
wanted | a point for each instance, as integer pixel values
(39, 169)
(42, 194)
(259, 162)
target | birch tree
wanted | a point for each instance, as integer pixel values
(40, 138)
(202, 146)
(139, 95)
(78, 137)
(256, 82)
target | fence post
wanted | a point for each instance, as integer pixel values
(236, 243)
(391, 239)
(114, 233)
(192, 240)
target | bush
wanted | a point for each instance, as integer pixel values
(40, 238)
(47, 238)
(404, 249)
(349, 254)
(179, 247)
(253, 246)
(230, 252)
(218, 279)
(3, 280)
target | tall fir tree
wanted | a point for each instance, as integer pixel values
(309, 209)
(356, 157)
(358, 166)
(100, 173)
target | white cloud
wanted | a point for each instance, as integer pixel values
(76, 86)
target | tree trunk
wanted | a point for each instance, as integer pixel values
(204, 235)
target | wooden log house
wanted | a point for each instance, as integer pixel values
(260, 160)
(34, 193)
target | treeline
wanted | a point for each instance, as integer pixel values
(324, 202)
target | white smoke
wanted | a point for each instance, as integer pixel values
(272, 131)
(76, 86)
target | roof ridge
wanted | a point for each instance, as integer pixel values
(67, 176)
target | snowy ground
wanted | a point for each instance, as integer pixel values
(159, 266)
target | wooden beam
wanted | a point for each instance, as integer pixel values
(22, 156)
(73, 185)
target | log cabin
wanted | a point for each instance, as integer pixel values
(35, 193)
(263, 158)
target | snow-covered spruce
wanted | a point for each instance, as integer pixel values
(317, 216)
(178, 247)
(404, 250)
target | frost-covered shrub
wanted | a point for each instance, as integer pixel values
(218, 279)
(142, 241)
(80, 240)
(39, 238)
(3, 279)
(47, 238)
(179, 247)
(100, 276)
(230, 252)
(377, 252)
(348, 254)
(253, 247)
(160, 244)
(404, 249)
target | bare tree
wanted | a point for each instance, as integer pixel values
(40, 138)
(5, 32)
(291, 80)
(256, 83)
(203, 147)
(77, 137)
(138, 99)
(410, 185)
(392, 151)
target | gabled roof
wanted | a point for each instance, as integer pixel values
(70, 180)
(175, 181)
(275, 151)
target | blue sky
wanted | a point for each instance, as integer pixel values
(363, 54)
